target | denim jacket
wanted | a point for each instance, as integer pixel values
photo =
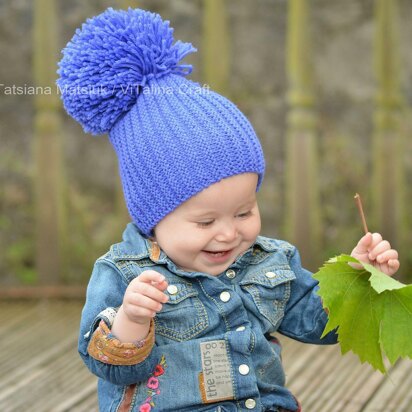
(214, 349)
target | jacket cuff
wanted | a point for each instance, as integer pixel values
(106, 348)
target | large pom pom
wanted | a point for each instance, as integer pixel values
(110, 58)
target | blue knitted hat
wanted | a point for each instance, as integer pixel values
(120, 74)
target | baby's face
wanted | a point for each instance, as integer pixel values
(210, 230)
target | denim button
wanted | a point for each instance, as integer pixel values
(270, 275)
(225, 296)
(172, 289)
(244, 369)
(250, 403)
(240, 329)
(231, 274)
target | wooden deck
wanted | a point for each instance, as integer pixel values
(41, 371)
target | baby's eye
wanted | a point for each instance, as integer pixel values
(205, 223)
(245, 214)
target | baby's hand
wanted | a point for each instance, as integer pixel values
(144, 297)
(372, 249)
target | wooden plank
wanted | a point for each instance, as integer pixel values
(83, 400)
(48, 369)
(342, 384)
(323, 380)
(11, 316)
(43, 292)
(41, 385)
(350, 397)
(28, 370)
(298, 359)
(395, 392)
(51, 329)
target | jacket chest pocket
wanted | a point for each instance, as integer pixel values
(184, 316)
(270, 291)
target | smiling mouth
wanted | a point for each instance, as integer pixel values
(218, 254)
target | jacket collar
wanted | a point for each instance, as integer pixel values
(134, 246)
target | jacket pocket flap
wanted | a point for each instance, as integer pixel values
(178, 292)
(268, 277)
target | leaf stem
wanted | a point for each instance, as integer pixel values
(362, 215)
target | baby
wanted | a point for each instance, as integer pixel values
(180, 315)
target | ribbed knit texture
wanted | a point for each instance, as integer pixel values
(177, 140)
(173, 138)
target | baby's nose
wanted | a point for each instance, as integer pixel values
(227, 233)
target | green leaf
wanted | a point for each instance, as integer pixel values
(371, 311)
(381, 282)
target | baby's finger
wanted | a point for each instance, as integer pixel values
(394, 264)
(378, 249)
(145, 302)
(138, 312)
(152, 292)
(364, 244)
(387, 255)
(137, 288)
(161, 285)
(376, 239)
(149, 276)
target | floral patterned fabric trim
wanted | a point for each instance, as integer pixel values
(106, 348)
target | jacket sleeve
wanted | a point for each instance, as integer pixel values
(305, 319)
(102, 353)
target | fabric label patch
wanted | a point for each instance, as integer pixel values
(215, 380)
(108, 315)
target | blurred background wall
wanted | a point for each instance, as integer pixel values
(327, 86)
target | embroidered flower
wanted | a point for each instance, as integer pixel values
(152, 383)
(158, 370)
(145, 408)
(153, 386)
